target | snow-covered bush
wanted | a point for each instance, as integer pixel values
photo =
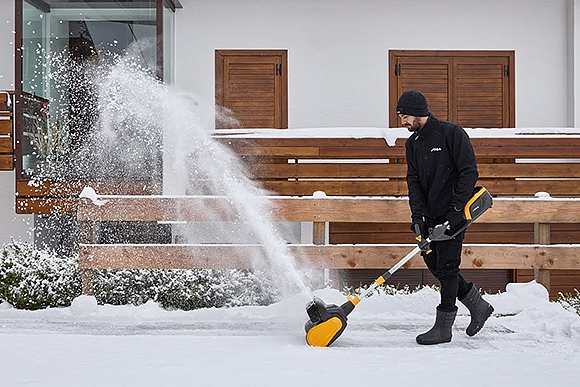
(385, 288)
(570, 301)
(33, 279)
(184, 289)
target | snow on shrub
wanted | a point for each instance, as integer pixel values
(33, 279)
(570, 301)
(184, 289)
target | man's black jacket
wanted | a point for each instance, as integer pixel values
(441, 169)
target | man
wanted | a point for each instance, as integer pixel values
(441, 175)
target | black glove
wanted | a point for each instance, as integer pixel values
(455, 219)
(419, 227)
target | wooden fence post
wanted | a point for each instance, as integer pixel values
(319, 238)
(318, 233)
(88, 234)
(542, 237)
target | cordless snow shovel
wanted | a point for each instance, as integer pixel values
(327, 321)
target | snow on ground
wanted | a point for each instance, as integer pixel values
(528, 341)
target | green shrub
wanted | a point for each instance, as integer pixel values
(33, 279)
(570, 301)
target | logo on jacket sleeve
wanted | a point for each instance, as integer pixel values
(436, 150)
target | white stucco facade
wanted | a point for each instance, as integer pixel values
(338, 50)
(338, 56)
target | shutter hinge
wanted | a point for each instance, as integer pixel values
(506, 71)
(278, 69)
(397, 69)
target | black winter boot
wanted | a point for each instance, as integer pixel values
(441, 331)
(479, 309)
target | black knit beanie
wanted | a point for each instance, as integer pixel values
(413, 103)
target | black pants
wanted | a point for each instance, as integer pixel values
(443, 262)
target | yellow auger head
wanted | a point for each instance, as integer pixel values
(326, 321)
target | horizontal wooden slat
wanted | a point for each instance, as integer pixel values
(526, 152)
(399, 187)
(399, 170)
(190, 208)
(194, 208)
(55, 189)
(541, 147)
(498, 142)
(276, 142)
(46, 206)
(290, 152)
(362, 152)
(60, 198)
(6, 145)
(352, 233)
(327, 256)
(337, 187)
(328, 170)
(531, 187)
(529, 170)
(526, 142)
(6, 163)
(5, 127)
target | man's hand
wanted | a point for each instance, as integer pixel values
(419, 228)
(455, 219)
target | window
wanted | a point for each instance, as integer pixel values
(47, 106)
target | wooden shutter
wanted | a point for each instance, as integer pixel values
(481, 90)
(429, 75)
(471, 88)
(253, 85)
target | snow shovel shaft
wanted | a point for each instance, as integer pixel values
(379, 281)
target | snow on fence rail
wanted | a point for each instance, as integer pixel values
(539, 255)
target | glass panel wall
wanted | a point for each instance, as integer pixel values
(61, 42)
(34, 99)
(168, 44)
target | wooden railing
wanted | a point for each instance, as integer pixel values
(539, 255)
(370, 166)
(299, 166)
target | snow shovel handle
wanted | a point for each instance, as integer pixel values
(437, 233)
(379, 281)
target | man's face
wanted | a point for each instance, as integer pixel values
(412, 123)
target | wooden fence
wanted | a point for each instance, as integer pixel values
(370, 166)
(539, 255)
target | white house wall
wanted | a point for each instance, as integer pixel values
(338, 50)
(11, 225)
(574, 62)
